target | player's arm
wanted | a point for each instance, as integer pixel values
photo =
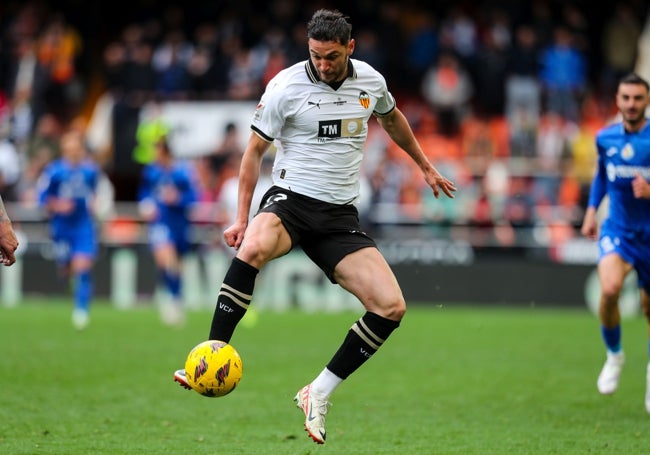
(48, 185)
(399, 130)
(249, 172)
(596, 194)
(8, 240)
(147, 205)
(187, 194)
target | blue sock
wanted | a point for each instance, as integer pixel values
(612, 338)
(83, 290)
(172, 283)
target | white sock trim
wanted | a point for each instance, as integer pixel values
(325, 383)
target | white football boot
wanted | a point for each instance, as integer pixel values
(181, 378)
(80, 318)
(315, 409)
(611, 373)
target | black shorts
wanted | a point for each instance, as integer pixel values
(326, 232)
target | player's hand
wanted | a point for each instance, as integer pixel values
(234, 235)
(8, 243)
(589, 225)
(640, 187)
(62, 206)
(589, 231)
(169, 195)
(148, 209)
(439, 183)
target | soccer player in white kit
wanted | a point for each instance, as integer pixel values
(316, 112)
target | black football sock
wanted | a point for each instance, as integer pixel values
(234, 297)
(364, 338)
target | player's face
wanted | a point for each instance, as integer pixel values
(72, 147)
(632, 100)
(330, 59)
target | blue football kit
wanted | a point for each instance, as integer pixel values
(75, 232)
(626, 230)
(173, 221)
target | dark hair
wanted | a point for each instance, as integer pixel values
(329, 25)
(633, 78)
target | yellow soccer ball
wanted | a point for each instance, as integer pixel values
(213, 368)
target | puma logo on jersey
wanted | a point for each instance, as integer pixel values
(311, 103)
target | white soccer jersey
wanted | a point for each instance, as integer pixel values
(320, 132)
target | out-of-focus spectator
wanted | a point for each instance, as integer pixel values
(492, 61)
(459, 32)
(27, 82)
(621, 35)
(448, 89)
(10, 170)
(542, 19)
(225, 158)
(391, 40)
(151, 129)
(523, 98)
(367, 49)
(519, 205)
(170, 61)
(245, 74)
(203, 68)
(642, 66)
(386, 181)
(422, 44)
(59, 47)
(563, 75)
(553, 149)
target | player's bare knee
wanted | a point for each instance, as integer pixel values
(611, 290)
(396, 310)
(253, 253)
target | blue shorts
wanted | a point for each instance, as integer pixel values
(632, 246)
(160, 234)
(69, 243)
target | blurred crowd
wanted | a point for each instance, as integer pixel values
(505, 97)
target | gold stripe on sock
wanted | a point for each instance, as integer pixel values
(241, 303)
(370, 332)
(363, 336)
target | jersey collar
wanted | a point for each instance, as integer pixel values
(312, 74)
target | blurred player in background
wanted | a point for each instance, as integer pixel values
(318, 110)
(8, 240)
(622, 175)
(67, 190)
(166, 197)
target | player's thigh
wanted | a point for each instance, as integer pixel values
(366, 274)
(81, 262)
(265, 239)
(612, 270)
(83, 251)
(165, 255)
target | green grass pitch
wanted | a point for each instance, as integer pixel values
(451, 380)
